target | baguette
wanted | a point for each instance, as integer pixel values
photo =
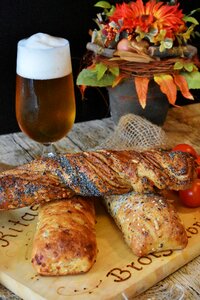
(95, 173)
(65, 240)
(149, 223)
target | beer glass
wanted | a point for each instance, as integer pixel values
(45, 102)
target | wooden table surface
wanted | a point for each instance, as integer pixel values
(182, 126)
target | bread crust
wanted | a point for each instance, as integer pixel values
(65, 240)
(149, 223)
(95, 173)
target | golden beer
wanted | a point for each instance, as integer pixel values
(45, 102)
(45, 109)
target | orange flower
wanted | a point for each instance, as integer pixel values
(151, 17)
(123, 16)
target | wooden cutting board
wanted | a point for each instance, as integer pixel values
(117, 273)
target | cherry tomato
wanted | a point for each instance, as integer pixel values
(185, 148)
(198, 172)
(198, 160)
(198, 166)
(191, 196)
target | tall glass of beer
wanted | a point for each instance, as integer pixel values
(45, 102)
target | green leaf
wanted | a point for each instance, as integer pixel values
(111, 11)
(101, 70)
(103, 4)
(193, 79)
(197, 33)
(162, 47)
(194, 11)
(191, 20)
(89, 78)
(178, 65)
(189, 67)
(114, 71)
(190, 30)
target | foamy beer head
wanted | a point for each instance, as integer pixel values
(42, 56)
(45, 102)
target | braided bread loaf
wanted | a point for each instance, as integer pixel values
(96, 173)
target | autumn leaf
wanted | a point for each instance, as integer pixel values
(82, 90)
(141, 85)
(92, 67)
(167, 86)
(117, 80)
(181, 82)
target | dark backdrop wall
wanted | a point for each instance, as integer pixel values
(22, 18)
(69, 19)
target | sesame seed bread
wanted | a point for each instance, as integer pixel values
(149, 222)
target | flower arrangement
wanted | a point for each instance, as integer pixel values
(143, 42)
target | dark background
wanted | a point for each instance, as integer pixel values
(68, 19)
